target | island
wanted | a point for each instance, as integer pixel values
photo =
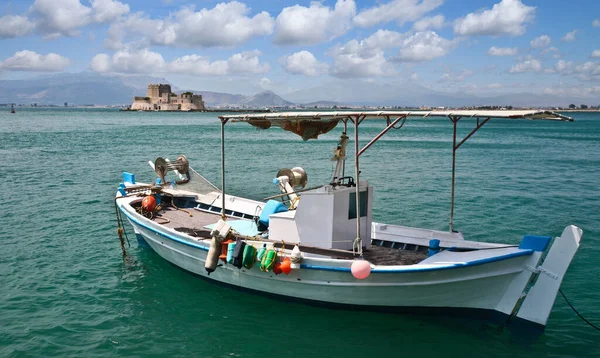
(160, 98)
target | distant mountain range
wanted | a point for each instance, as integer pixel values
(92, 88)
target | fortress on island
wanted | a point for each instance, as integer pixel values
(160, 98)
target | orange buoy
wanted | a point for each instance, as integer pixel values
(286, 266)
(149, 203)
(224, 249)
(277, 268)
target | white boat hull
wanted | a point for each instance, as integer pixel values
(493, 284)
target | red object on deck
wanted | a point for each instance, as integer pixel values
(149, 203)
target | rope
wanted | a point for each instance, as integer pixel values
(120, 231)
(123, 226)
(161, 218)
(579, 314)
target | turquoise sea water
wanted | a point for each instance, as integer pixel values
(65, 290)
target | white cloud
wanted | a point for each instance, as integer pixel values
(569, 36)
(227, 24)
(426, 23)
(588, 71)
(300, 25)
(595, 54)
(31, 61)
(108, 10)
(65, 17)
(424, 46)
(365, 58)
(456, 77)
(15, 26)
(531, 65)
(596, 23)
(502, 51)
(494, 85)
(549, 49)
(61, 17)
(246, 62)
(380, 40)
(265, 83)
(400, 11)
(146, 61)
(100, 63)
(578, 91)
(508, 17)
(354, 65)
(304, 63)
(563, 67)
(540, 42)
(198, 65)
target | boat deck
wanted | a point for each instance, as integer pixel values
(193, 222)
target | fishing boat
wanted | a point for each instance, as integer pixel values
(321, 244)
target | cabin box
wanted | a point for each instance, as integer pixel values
(326, 217)
(282, 226)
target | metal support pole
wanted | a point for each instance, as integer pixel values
(358, 240)
(344, 162)
(390, 126)
(479, 125)
(454, 122)
(223, 121)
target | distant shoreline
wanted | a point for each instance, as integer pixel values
(201, 111)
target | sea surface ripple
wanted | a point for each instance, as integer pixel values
(66, 291)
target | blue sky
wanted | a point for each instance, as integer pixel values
(475, 47)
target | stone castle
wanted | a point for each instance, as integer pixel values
(160, 98)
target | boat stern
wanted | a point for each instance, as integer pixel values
(538, 302)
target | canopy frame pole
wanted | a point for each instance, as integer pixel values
(358, 241)
(384, 131)
(223, 122)
(479, 125)
(454, 122)
(454, 149)
(345, 120)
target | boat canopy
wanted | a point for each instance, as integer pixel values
(329, 115)
(309, 125)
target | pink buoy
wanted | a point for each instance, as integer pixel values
(361, 269)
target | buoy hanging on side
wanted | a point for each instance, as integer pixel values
(238, 253)
(212, 258)
(268, 260)
(225, 250)
(249, 256)
(230, 250)
(360, 269)
(296, 257)
(261, 252)
(277, 268)
(286, 266)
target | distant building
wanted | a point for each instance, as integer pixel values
(160, 98)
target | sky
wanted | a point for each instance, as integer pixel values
(479, 47)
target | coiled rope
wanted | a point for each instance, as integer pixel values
(579, 314)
